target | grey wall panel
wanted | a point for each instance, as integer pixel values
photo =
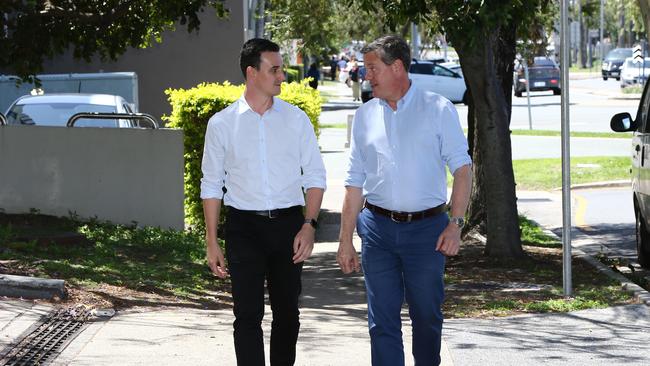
(119, 175)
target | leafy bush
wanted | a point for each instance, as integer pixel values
(191, 110)
(296, 71)
(292, 75)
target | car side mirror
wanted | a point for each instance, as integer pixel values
(622, 122)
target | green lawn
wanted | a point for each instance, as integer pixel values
(615, 135)
(545, 174)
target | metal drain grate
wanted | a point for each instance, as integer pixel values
(43, 342)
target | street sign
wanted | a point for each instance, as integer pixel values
(637, 54)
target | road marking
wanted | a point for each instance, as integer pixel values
(581, 210)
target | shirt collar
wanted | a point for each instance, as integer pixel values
(404, 101)
(244, 107)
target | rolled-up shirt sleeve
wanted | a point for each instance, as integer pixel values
(313, 169)
(214, 152)
(356, 175)
(454, 144)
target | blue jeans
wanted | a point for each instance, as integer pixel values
(400, 262)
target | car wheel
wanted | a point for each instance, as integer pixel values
(605, 78)
(618, 79)
(517, 94)
(557, 91)
(366, 97)
(642, 241)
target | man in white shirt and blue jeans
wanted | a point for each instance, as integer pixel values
(402, 141)
(262, 152)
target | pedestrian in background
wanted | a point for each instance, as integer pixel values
(354, 79)
(333, 67)
(255, 150)
(402, 140)
(314, 74)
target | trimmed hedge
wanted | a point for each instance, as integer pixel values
(295, 73)
(191, 110)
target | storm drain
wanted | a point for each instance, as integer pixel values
(47, 338)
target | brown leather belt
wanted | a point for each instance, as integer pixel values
(271, 214)
(399, 216)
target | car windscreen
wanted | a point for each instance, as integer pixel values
(619, 54)
(57, 114)
(544, 62)
(631, 65)
(543, 72)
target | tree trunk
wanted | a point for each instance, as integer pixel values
(490, 82)
(644, 5)
(477, 214)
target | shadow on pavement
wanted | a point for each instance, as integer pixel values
(613, 336)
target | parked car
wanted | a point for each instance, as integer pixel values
(544, 74)
(56, 109)
(623, 122)
(612, 63)
(430, 76)
(453, 66)
(634, 73)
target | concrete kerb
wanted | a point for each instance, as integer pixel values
(605, 184)
(639, 293)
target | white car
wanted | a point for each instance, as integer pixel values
(431, 76)
(56, 109)
(634, 73)
(438, 79)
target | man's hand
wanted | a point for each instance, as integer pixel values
(449, 241)
(347, 258)
(303, 244)
(216, 261)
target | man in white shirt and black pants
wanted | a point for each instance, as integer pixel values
(263, 151)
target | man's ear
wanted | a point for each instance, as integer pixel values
(251, 72)
(397, 65)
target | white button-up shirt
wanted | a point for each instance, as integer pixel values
(263, 161)
(399, 156)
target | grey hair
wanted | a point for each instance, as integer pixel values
(390, 48)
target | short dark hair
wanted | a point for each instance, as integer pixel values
(390, 48)
(251, 51)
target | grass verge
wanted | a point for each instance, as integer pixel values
(121, 265)
(611, 135)
(546, 174)
(481, 286)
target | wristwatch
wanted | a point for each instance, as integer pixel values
(458, 221)
(312, 222)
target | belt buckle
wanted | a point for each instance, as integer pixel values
(409, 217)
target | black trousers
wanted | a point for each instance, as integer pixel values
(259, 248)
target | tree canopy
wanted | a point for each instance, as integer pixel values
(34, 30)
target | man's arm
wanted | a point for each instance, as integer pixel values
(347, 256)
(303, 244)
(216, 261)
(449, 241)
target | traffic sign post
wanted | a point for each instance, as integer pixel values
(637, 58)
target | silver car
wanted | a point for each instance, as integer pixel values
(56, 110)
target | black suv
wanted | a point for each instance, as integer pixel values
(623, 122)
(544, 74)
(613, 61)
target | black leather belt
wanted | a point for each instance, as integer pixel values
(271, 214)
(399, 216)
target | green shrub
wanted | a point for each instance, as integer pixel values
(295, 71)
(191, 110)
(292, 75)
